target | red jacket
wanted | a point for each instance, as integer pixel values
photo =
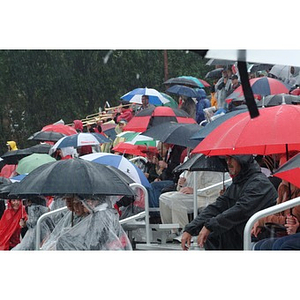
(10, 229)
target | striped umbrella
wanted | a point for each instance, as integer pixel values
(121, 163)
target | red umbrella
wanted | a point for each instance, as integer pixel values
(127, 148)
(290, 171)
(205, 83)
(156, 115)
(262, 86)
(275, 130)
(295, 92)
(65, 129)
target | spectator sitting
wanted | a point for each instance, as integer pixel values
(220, 225)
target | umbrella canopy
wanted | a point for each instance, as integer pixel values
(138, 150)
(221, 62)
(273, 131)
(18, 178)
(4, 180)
(200, 162)
(290, 171)
(13, 157)
(135, 96)
(262, 86)
(51, 136)
(182, 81)
(75, 176)
(209, 127)
(216, 73)
(121, 163)
(172, 102)
(61, 128)
(153, 116)
(259, 67)
(183, 91)
(273, 100)
(295, 92)
(174, 133)
(79, 140)
(31, 162)
(40, 148)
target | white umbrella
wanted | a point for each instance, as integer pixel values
(155, 97)
(79, 140)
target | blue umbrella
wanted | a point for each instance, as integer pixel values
(121, 163)
(183, 91)
(155, 97)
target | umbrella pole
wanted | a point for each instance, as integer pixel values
(289, 185)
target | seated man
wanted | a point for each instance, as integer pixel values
(220, 225)
(174, 206)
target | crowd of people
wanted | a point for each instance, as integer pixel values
(92, 223)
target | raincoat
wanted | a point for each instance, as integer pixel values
(13, 145)
(34, 212)
(100, 230)
(10, 229)
(250, 191)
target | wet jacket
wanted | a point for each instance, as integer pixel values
(250, 191)
(13, 145)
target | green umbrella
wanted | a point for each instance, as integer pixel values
(31, 162)
(172, 102)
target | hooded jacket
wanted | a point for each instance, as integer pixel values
(250, 191)
(13, 145)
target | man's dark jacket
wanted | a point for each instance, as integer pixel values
(250, 191)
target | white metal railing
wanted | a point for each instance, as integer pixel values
(39, 221)
(263, 213)
(199, 191)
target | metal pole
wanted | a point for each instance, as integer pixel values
(147, 222)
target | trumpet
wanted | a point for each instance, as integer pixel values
(119, 106)
(94, 118)
(99, 117)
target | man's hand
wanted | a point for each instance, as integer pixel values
(186, 190)
(186, 241)
(202, 237)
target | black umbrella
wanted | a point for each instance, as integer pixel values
(216, 73)
(174, 133)
(278, 99)
(214, 124)
(40, 148)
(4, 180)
(5, 190)
(260, 67)
(52, 136)
(200, 162)
(13, 157)
(182, 81)
(75, 176)
(183, 91)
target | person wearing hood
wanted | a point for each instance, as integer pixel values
(220, 225)
(11, 145)
(9, 171)
(11, 223)
(202, 103)
(36, 207)
(78, 125)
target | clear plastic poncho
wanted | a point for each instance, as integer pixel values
(99, 230)
(29, 240)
